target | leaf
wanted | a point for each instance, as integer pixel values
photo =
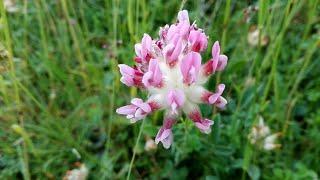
(254, 172)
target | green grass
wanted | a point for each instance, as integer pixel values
(59, 88)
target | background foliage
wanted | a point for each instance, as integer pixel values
(59, 88)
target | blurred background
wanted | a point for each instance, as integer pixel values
(59, 88)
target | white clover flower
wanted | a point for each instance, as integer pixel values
(10, 6)
(150, 145)
(253, 37)
(261, 136)
(77, 174)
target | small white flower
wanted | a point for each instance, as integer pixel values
(269, 142)
(150, 145)
(261, 136)
(10, 6)
(253, 37)
(77, 174)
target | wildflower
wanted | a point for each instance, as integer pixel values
(169, 69)
(249, 81)
(261, 136)
(10, 6)
(253, 37)
(3, 52)
(53, 94)
(77, 174)
(165, 133)
(150, 145)
(249, 12)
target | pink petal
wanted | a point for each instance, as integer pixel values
(127, 81)
(221, 102)
(159, 134)
(223, 60)
(154, 75)
(215, 50)
(176, 51)
(190, 61)
(210, 67)
(184, 28)
(193, 36)
(157, 74)
(220, 88)
(174, 107)
(136, 101)
(145, 107)
(198, 41)
(138, 48)
(213, 98)
(166, 133)
(203, 41)
(192, 74)
(204, 125)
(183, 16)
(146, 42)
(147, 78)
(163, 32)
(139, 114)
(167, 141)
(172, 31)
(195, 115)
(175, 98)
(168, 49)
(126, 70)
(214, 65)
(164, 136)
(129, 109)
(139, 103)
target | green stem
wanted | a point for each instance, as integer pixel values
(182, 4)
(135, 149)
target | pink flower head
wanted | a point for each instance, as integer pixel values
(169, 69)
(198, 41)
(175, 100)
(165, 133)
(190, 67)
(218, 61)
(153, 76)
(130, 76)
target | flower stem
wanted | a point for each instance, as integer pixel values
(182, 4)
(135, 149)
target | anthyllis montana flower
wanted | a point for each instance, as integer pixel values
(170, 69)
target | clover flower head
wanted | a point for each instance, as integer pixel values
(80, 173)
(261, 136)
(169, 68)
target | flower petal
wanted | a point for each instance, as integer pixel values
(183, 16)
(215, 50)
(191, 62)
(128, 109)
(221, 102)
(223, 60)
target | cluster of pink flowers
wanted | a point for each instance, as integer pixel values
(170, 69)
